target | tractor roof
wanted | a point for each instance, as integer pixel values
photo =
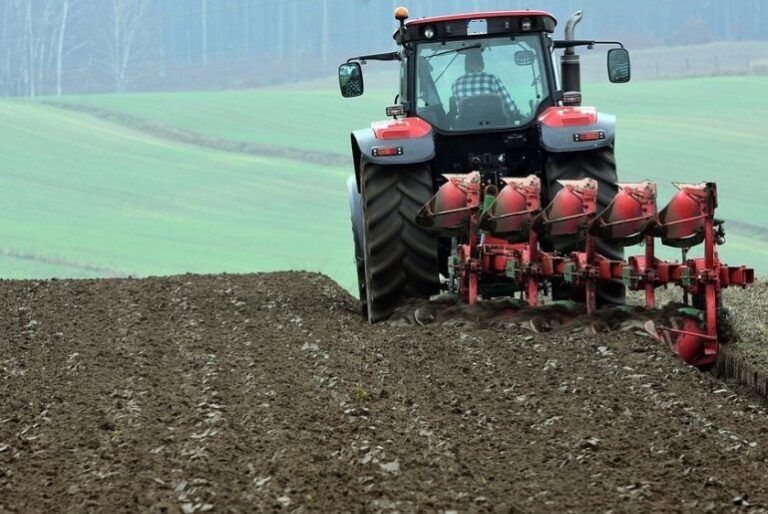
(494, 22)
(477, 16)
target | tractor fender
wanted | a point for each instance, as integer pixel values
(411, 138)
(356, 215)
(574, 129)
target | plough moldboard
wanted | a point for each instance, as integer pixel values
(508, 236)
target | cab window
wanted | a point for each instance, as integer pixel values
(480, 84)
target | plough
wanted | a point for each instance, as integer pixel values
(505, 233)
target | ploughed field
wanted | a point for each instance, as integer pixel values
(245, 393)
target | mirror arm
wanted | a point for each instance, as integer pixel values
(584, 42)
(388, 56)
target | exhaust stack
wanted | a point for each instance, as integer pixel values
(570, 64)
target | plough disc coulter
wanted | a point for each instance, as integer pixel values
(505, 235)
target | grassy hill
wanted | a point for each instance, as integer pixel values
(84, 196)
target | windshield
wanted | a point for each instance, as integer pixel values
(480, 84)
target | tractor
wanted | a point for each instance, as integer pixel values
(491, 179)
(399, 164)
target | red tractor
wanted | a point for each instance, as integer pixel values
(478, 92)
(491, 180)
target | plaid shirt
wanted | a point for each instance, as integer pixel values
(481, 83)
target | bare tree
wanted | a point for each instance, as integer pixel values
(325, 46)
(36, 40)
(60, 46)
(9, 41)
(32, 42)
(204, 29)
(124, 22)
(28, 53)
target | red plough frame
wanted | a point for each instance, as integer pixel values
(503, 230)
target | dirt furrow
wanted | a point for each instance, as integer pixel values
(242, 393)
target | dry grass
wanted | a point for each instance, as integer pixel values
(749, 312)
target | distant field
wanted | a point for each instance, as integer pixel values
(85, 197)
(700, 130)
(315, 119)
(678, 130)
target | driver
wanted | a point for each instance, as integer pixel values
(476, 82)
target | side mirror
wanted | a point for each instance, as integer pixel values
(619, 70)
(524, 57)
(351, 79)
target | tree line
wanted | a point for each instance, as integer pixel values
(54, 47)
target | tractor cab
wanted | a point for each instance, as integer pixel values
(479, 71)
(479, 84)
(484, 82)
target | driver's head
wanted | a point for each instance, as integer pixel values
(473, 62)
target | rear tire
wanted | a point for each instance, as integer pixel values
(600, 165)
(400, 257)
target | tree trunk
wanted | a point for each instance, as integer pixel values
(204, 30)
(29, 65)
(60, 49)
(295, 32)
(127, 17)
(326, 35)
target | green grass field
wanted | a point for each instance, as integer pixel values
(79, 193)
(84, 197)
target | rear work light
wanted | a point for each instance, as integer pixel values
(395, 110)
(386, 151)
(592, 135)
